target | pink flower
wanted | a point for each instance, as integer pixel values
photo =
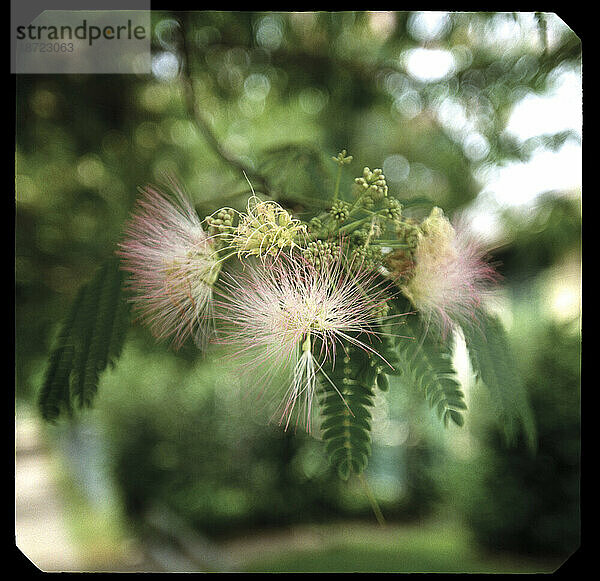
(173, 266)
(285, 317)
(451, 277)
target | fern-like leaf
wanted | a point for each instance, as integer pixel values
(346, 396)
(426, 362)
(495, 366)
(91, 338)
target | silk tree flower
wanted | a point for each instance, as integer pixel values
(284, 317)
(450, 278)
(173, 267)
(266, 229)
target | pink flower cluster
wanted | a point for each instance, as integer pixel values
(451, 277)
(172, 264)
(280, 315)
(285, 317)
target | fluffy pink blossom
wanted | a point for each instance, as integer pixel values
(172, 264)
(451, 277)
(285, 317)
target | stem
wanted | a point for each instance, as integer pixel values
(380, 213)
(371, 232)
(336, 191)
(227, 257)
(306, 345)
(372, 500)
(390, 243)
(354, 225)
(358, 199)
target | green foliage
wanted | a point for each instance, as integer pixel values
(530, 503)
(429, 361)
(347, 394)
(90, 339)
(541, 237)
(296, 169)
(191, 445)
(495, 366)
(425, 361)
(421, 359)
(432, 547)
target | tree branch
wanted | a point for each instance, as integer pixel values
(204, 126)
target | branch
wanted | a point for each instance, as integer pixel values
(204, 126)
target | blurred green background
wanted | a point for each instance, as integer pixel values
(176, 468)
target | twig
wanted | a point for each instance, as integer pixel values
(372, 500)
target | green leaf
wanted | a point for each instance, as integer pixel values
(426, 361)
(91, 338)
(383, 382)
(298, 169)
(347, 393)
(495, 366)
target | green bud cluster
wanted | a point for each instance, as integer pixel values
(411, 233)
(368, 257)
(342, 158)
(340, 211)
(393, 210)
(367, 201)
(359, 237)
(374, 181)
(320, 252)
(315, 224)
(412, 238)
(221, 222)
